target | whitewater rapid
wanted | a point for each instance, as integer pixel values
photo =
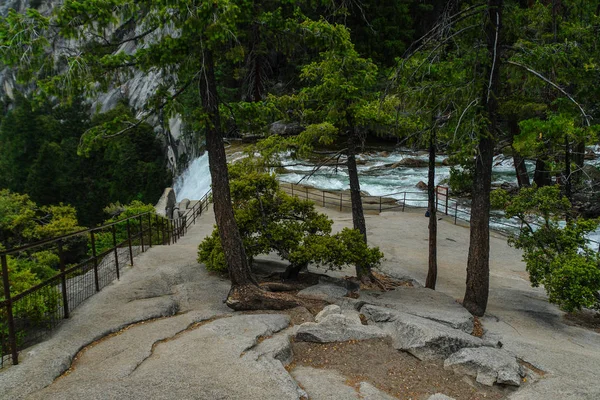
(377, 178)
(195, 181)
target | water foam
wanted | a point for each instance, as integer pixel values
(195, 180)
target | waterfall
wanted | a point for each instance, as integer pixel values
(194, 182)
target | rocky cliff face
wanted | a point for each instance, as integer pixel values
(135, 90)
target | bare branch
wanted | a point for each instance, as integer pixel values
(586, 117)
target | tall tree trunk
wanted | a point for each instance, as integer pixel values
(432, 271)
(578, 159)
(244, 293)
(235, 254)
(358, 217)
(541, 176)
(256, 62)
(521, 169)
(478, 264)
(518, 160)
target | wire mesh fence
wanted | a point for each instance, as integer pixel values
(88, 261)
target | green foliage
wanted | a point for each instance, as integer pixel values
(40, 158)
(118, 212)
(271, 221)
(556, 253)
(23, 221)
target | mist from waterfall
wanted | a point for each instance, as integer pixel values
(195, 181)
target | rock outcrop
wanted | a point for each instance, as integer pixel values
(324, 291)
(487, 365)
(334, 326)
(425, 303)
(423, 338)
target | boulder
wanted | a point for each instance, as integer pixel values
(591, 173)
(425, 303)
(348, 303)
(589, 154)
(330, 309)
(351, 284)
(323, 291)
(421, 337)
(285, 128)
(330, 384)
(337, 328)
(487, 365)
(384, 154)
(166, 203)
(410, 162)
(421, 185)
(184, 204)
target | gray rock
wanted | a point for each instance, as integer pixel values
(166, 203)
(423, 338)
(326, 384)
(351, 284)
(323, 291)
(348, 303)
(410, 162)
(328, 310)
(440, 396)
(337, 328)
(353, 316)
(425, 303)
(206, 362)
(184, 204)
(278, 346)
(370, 392)
(488, 365)
(285, 129)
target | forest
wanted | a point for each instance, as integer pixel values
(472, 79)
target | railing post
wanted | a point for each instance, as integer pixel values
(194, 211)
(149, 230)
(114, 235)
(174, 231)
(436, 198)
(455, 212)
(447, 201)
(292, 186)
(168, 223)
(63, 280)
(12, 335)
(129, 242)
(379, 204)
(323, 198)
(307, 193)
(341, 200)
(404, 202)
(157, 229)
(95, 258)
(164, 230)
(141, 232)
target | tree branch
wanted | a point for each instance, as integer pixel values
(548, 81)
